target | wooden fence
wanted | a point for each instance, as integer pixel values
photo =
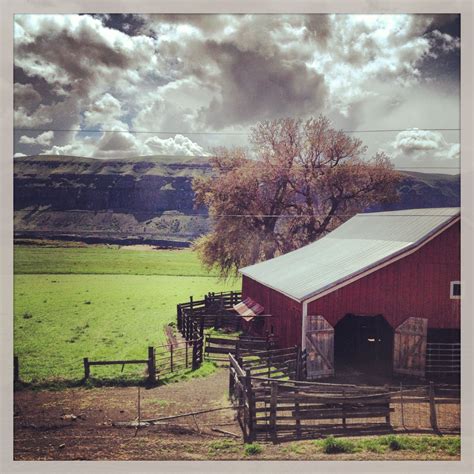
(162, 360)
(213, 311)
(179, 356)
(290, 362)
(218, 348)
(279, 409)
(150, 362)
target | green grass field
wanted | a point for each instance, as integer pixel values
(98, 302)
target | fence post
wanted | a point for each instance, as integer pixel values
(273, 410)
(387, 418)
(16, 369)
(297, 413)
(201, 327)
(186, 346)
(402, 410)
(151, 365)
(231, 381)
(171, 357)
(304, 358)
(298, 363)
(178, 316)
(197, 353)
(251, 406)
(343, 408)
(433, 418)
(87, 370)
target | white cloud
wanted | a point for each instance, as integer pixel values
(222, 72)
(444, 42)
(43, 139)
(104, 112)
(179, 145)
(424, 148)
(126, 145)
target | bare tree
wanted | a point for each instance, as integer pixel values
(303, 179)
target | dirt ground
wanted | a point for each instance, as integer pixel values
(44, 431)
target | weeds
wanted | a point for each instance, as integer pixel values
(383, 444)
(252, 449)
(224, 445)
(332, 445)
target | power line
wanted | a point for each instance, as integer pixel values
(162, 132)
(289, 216)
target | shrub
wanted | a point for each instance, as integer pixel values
(332, 445)
(252, 449)
(27, 315)
(394, 445)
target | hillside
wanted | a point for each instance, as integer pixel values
(147, 199)
(423, 190)
(124, 200)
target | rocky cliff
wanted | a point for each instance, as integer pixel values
(148, 199)
(144, 199)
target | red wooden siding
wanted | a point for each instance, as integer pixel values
(417, 285)
(286, 313)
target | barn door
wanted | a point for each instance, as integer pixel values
(409, 348)
(320, 347)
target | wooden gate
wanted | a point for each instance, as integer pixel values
(320, 348)
(409, 348)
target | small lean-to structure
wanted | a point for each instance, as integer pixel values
(375, 290)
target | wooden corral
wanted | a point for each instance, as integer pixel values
(273, 406)
(218, 348)
(214, 310)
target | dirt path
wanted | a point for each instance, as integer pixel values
(43, 433)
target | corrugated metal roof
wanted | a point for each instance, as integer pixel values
(361, 243)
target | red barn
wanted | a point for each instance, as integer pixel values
(378, 288)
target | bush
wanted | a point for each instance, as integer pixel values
(394, 445)
(27, 315)
(252, 449)
(332, 445)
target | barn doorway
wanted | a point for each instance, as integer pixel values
(363, 343)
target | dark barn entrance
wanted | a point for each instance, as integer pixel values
(364, 343)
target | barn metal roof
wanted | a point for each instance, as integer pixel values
(360, 244)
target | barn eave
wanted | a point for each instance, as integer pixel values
(346, 280)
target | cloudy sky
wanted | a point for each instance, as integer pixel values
(189, 83)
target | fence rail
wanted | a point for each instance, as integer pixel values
(214, 310)
(178, 356)
(443, 358)
(280, 409)
(150, 362)
(217, 348)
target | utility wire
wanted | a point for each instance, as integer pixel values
(216, 133)
(289, 216)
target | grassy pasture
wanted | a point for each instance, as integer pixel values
(98, 302)
(103, 260)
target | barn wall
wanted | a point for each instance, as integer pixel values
(417, 285)
(286, 313)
